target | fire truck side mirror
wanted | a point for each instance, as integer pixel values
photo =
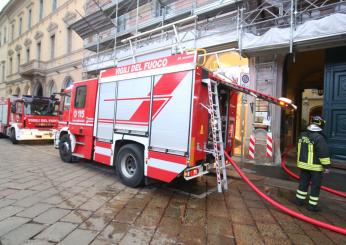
(13, 108)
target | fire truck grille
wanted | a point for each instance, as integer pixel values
(44, 125)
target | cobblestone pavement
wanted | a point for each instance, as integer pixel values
(46, 201)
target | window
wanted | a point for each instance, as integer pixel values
(52, 47)
(41, 9)
(19, 106)
(69, 40)
(262, 109)
(20, 26)
(12, 33)
(68, 82)
(121, 23)
(38, 56)
(160, 10)
(27, 54)
(52, 88)
(29, 18)
(10, 67)
(54, 4)
(80, 97)
(3, 72)
(18, 62)
(5, 31)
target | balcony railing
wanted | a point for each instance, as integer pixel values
(33, 68)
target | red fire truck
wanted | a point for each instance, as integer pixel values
(150, 119)
(28, 118)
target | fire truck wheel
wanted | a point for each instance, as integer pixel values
(65, 149)
(13, 137)
(130, 165)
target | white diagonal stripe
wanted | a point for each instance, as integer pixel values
(103, 151)
(165, 165)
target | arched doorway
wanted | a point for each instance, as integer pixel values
(26, 90)
(51, 88)
(9, 91)
(303, 79)
(38, 91)
(18, 92)
(68, 81)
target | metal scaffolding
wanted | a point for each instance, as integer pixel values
(109, 22)
(284, 14)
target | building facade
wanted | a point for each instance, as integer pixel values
(285, 46)
(3, 53)
(40, 54)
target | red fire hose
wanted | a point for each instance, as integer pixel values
(283, 165)
(283, 208)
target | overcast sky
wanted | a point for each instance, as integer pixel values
(3, 3)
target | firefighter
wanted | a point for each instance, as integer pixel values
(312, 159)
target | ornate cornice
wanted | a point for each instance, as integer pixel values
(30, 4)
(27, 42)
(52, 28)
(38, 35)
(18, 47)
(69, 17)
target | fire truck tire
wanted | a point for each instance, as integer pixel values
(130, 165)
(65, 149)
(13, 137)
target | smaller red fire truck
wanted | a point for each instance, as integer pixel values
(28, 118)
(151, 119)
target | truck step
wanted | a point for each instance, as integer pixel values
(80, 143)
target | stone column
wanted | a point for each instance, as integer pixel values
(266, 72)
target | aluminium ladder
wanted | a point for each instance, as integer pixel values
(218, 152)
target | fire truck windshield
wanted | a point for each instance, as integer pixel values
(40, 108)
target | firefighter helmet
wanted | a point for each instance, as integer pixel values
(317, 120)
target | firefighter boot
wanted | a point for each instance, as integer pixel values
(298, 202)
(300, 198)
(312, 206)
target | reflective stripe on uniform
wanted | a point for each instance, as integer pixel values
(312, 202)
(302, 192)
(300, 197)
(325, 161)
(312, 167)
(310, 154)
(299, 146)
(313, 198)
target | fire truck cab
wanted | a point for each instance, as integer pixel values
(28, 118)
(148, 119)
(64, 107)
